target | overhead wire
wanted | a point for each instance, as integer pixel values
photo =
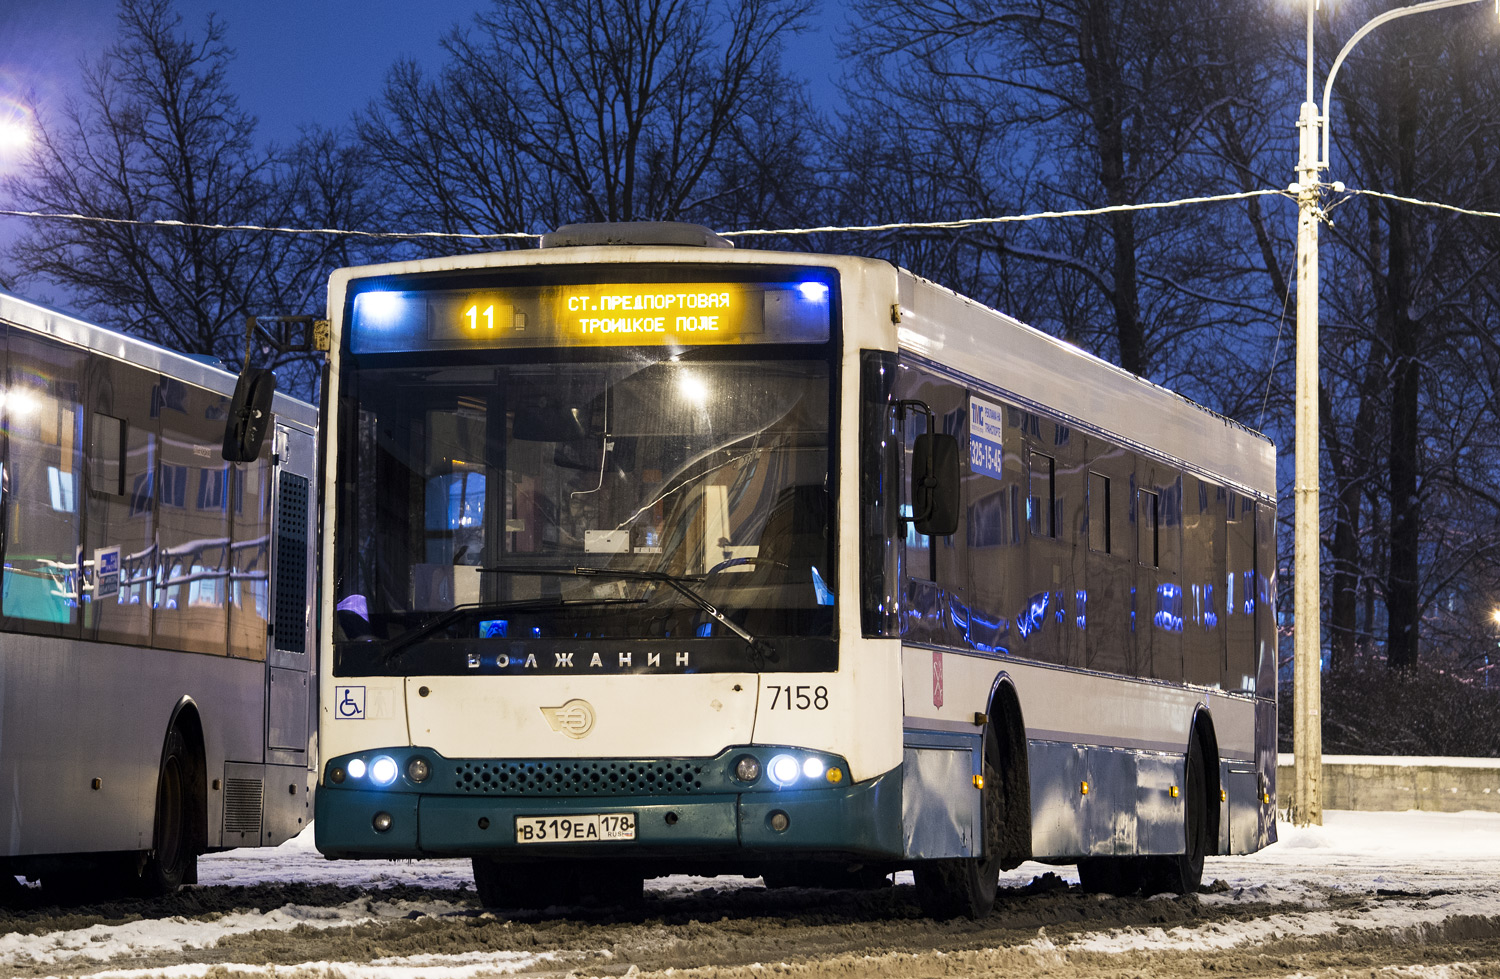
(948, 225)
(196, 226)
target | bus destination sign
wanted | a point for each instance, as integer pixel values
(635, 314)
(613, 315)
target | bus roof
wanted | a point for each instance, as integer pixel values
(41, 319)
(947, 328)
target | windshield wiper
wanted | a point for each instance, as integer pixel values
(760, 650)
(442, 620)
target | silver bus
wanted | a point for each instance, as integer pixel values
(652, 555)
(156, 637)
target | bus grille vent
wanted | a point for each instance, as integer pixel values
(242, 802)
(291, 564)
(570, 778)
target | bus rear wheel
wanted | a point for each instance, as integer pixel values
(1182, 873)
(1176, 873)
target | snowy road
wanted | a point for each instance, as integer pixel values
(1368, 894)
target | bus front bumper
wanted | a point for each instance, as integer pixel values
(405, 821)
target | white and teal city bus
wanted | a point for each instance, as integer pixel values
(156, 634)
(649, 555)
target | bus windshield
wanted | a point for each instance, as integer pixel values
(574, 496)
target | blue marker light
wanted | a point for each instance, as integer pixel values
(379, 310)
(813, 292)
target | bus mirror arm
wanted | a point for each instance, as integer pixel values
(934, 477)
(249, 414)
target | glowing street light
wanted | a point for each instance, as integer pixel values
(15, 134)
(1307, 647)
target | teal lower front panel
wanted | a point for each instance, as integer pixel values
(344, 823)
(706, 823)
(864, 818)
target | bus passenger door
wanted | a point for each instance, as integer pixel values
(290, 663)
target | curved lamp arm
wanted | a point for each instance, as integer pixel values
(1389, 15)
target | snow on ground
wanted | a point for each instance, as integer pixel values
(1352, 853)
(1448, 859)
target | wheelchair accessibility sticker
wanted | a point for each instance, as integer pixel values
(349, 703)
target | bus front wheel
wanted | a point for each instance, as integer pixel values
(966, 886)
(171, 862)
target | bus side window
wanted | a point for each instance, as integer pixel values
(250, 556)
(193, 498)
(120, 514)
(42, 584)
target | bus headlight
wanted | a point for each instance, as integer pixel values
(417, 769)
(783, 770)
(383, 770)
(356, 768)
(813, 768)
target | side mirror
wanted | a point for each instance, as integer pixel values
(249, 414)
(934, 484)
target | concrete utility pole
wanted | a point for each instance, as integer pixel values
(1307, 640)
(1307, 643)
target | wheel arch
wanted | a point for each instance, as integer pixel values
(1008, 725)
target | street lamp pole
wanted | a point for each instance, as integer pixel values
(1307, 644)
(1307, 651)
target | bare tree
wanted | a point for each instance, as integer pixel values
(552, 111)
(1062, 104)
(1413, 292)
(157, 135)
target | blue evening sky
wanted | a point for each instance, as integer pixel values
(298, 61)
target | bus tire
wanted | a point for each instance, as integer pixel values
(966, 886)
(1182, 873)
(171, 861)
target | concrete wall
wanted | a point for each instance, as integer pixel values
(1395, 784)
